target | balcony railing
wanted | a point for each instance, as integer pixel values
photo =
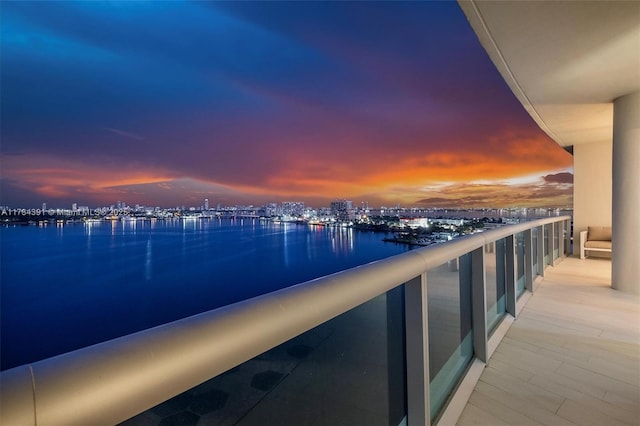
(392, 342)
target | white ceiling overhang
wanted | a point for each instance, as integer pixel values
(566, 61)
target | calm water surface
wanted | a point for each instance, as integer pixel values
(66, 287)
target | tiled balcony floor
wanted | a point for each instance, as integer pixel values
(571, 357)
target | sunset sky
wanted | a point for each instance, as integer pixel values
(168, 103)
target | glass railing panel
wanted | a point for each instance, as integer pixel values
(520, 281)
(349, 370)
(534, 253)
(450, 328)
(495, 265)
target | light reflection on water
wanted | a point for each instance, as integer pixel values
(148, 262)
(65, 287)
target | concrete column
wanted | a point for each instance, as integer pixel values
(625, 267)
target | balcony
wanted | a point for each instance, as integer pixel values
(398, 341)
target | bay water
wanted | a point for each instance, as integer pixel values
(68, 286)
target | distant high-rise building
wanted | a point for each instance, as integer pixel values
(271, 209)
(206, 204)
(293, 208)
(44, 207)
(339, 205)
(74, 206)
(343, 209)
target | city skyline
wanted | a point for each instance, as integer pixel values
(284, 207)
(251, 103)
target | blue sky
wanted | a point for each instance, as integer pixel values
(166, 103)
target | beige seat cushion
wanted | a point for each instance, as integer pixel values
(599, 233)
(598, 244)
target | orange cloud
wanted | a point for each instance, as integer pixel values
(58, 178)
(500, 194)
(447, 176)
(512, 158)
(402, 176)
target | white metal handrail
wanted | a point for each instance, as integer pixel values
(112, 381)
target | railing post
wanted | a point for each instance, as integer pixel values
(417, 335)
(567, 248)
(550, 244)
(561, 238)
(561, 226)
(396, 355)
(479, 304)
(528, 260)
(510, 269)
(466, 296)
(556, 241)
(541, 263)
